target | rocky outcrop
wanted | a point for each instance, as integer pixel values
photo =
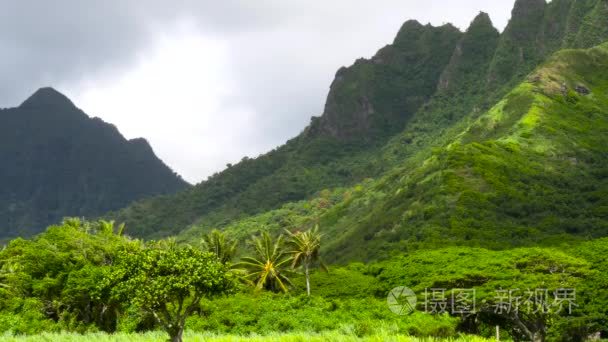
(373, 99)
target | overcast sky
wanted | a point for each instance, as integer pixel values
(205, 82)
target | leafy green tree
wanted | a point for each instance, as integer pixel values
(217, 243)
(60, 270)
(169, 283)
(305, 251)
(268, 268)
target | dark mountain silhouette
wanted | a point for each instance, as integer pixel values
(56, 162)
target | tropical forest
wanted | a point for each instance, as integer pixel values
(454, 188)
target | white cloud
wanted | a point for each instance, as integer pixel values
(173, 96)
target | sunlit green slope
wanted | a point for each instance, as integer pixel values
(531, 170)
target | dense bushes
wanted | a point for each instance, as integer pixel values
(65, 279)
(85, 277)
(266, 313)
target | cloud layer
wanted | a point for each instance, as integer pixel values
(206, 82)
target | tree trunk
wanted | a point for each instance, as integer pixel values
(176, 334)
(307, 279)
(539, 336)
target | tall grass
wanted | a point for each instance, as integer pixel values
(210, 337)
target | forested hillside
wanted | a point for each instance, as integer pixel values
(389, 111)
(529, 171)
(367, 103)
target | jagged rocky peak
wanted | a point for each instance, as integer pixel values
(519, 49)
(523, 7)
(481, 20)
(47, 97)
(526, 18)
(410, 30)
(373, 99)
(472, 54)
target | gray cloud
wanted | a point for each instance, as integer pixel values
(278, 59)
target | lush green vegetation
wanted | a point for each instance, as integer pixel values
(392, 110)
(368, 103)
(340, 336)
(449, 161)
(529, 171)
(85, 277)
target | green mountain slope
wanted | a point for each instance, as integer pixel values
(367, 104)
(383, 116)
(56, 162)
(532, 170)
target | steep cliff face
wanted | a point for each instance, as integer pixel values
(460, 91)
(375, 98)
(555, 25)
(471, 57)
(538, 29)
(594, 26)
(57, 162)
(530, 170)
(579, 10)
(517, 51)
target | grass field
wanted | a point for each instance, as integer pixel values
(188, 336)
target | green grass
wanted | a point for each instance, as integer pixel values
(190, 336)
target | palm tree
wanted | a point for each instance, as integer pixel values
(267, 269)
(7, 268)
(3, 279)
(217, 243)
(305, 251)
(108, 227)
(169, 243)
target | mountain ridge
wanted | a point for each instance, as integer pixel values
(60, 162)
(325, 157)
(530, 171)
(47, 97)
